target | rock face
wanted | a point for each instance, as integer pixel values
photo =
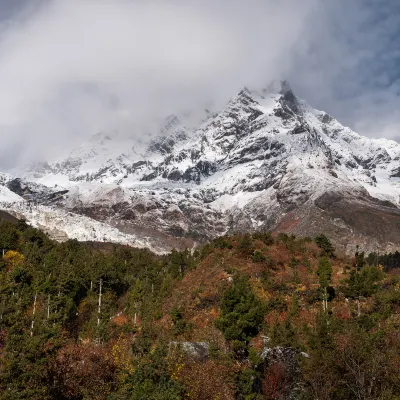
(267, 160)
(195, 350)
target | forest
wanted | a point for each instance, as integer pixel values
(244, 317)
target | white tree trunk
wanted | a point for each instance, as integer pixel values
(33, 314)
(99, 310)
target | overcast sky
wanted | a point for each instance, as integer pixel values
(71, 68)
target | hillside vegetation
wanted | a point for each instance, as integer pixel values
(244, 317)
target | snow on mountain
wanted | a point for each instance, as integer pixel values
(268, 160)
(7, 196)
(62, 225)
(114, 157)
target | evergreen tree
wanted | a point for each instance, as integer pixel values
(325, 245)
(361, 284)
(359, 259)
(242, 314)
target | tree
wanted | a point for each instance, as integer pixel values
(319, 372)
(368, 369)
(359, 260)
(27, 362)
(246, 246)
(9, 236)
(179, 322)
(242, 314)
(325, 245)
(151, 379)
(362, 283)
(13, 259)
(324, 272)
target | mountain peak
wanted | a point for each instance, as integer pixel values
(267, 160)
(278, 86)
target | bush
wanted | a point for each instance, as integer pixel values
(258, 257)
(246, 246)
(265, 237)
(222, 243)
(180, 324)
(151, 379)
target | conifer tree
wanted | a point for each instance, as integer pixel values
(325, 245)
(241, 314)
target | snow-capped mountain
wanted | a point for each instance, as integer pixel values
(268, 160)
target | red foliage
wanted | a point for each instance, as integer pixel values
(85, 371)
(274, 380)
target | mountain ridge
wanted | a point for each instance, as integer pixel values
(267, 160)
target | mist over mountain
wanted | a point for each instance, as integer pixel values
(199, 199)
(265, 161)
(71, 69)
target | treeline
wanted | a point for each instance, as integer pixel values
(277, 317)
(388, 261)
(53, 296)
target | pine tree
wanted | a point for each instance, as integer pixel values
(325, 245)
(242, 314)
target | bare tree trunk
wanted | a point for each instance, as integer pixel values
(33, 314)
(325, 301)
(2, 308)
(48, 306)
(99, 310)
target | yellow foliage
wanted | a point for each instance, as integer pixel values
(300, 288)
(214, 312)
(176, 365)
(122, 358)
(13, 259)
(260, 292)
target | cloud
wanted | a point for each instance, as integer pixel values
(348, 64)
(69, 69)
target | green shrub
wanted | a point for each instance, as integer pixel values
(258, 257)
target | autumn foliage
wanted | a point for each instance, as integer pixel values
(277, 317)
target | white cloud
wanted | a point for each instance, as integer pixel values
(347, 64)
(75, 67)
(70, 68)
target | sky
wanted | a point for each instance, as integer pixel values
(72, 68)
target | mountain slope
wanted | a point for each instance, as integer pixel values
(268, 160)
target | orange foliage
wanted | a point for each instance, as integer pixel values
(86, 371)
(120, 320)
(211, 380)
